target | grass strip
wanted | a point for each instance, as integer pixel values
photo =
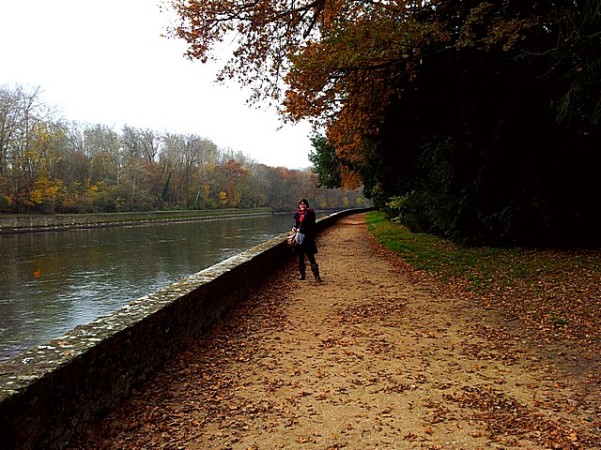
(481, 266)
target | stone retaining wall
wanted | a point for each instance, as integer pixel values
(21, 223)
(50, 391)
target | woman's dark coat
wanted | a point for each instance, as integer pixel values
(308, 229)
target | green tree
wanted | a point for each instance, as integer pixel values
(325, 161)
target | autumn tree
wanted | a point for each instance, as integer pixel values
(26, 143)
(453, 106)
(229, 174)
(334, 62)
(103, 145)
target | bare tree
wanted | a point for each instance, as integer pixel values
(141, 143)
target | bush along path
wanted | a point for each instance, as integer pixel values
(378, 356)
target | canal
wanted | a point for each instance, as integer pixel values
(50, 282)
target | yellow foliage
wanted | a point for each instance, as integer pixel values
(222, 198)
(44, 190)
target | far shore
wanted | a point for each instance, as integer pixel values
(25, 223)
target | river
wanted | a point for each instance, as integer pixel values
(50, 282)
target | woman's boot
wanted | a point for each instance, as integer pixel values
(315, 270)
(301, 271)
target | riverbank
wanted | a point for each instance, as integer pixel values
(26, 223)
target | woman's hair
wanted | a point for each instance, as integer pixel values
(305, 201)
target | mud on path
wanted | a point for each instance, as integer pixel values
(378, 356)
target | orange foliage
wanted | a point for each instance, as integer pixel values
(349, 178)
(333, 62)
(336, 63)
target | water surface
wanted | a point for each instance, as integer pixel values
(50, 282)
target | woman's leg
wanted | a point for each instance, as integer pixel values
(301, 264)
(314, 267)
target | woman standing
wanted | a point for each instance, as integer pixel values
(305, 224)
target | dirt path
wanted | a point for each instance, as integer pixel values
(378, 356)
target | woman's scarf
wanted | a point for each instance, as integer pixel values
(301, 215)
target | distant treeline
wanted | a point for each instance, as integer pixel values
(49, 165)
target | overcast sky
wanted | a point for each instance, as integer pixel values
(106, 62)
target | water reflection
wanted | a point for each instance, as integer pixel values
(51, 282)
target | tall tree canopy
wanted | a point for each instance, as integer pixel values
(468, 111)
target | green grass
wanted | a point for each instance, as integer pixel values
(479, 265)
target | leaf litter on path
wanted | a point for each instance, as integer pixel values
(378, 356)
